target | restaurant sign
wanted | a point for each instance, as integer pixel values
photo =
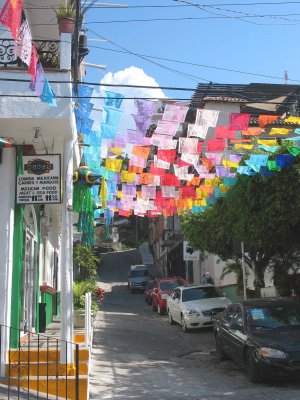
(40, 182)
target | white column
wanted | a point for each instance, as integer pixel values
(7, 202)
(65, 51)
(66, 274)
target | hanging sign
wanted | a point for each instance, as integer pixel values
(189, 254)
(40, 182)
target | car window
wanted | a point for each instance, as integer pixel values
(176, 294)
(200, 293)
(138, 273)
(228, 314)
(273, 316)
(237, 317)
(170, 285)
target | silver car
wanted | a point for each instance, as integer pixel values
(194, 306)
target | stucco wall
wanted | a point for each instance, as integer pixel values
(7, 199)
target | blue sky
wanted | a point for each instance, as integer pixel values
(263, 45)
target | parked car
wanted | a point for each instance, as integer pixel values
(149, 291)
(193, 306)
(138, 276)
(163, 287)
(262, 335)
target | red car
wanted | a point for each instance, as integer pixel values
(163, 287)
(149, 291)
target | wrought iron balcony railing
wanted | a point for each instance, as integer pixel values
(48, 53)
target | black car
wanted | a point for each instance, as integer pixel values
(262, 335)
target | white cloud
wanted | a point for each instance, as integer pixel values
(133, 76)
(129, 76)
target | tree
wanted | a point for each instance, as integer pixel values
(262, 212)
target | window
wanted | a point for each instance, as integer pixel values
(228, 314)
(201, 293)
(138, 273)
(237, 318)
(170, 285)
(274, 316)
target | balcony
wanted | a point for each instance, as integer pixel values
(49, 54)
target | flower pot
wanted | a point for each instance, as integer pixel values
(79, 318)
(66, 25)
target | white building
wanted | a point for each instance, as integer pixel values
(36, 262)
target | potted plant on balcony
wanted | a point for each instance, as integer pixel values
(66, 14)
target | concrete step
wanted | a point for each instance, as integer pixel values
(50, 369)
(42, 355)
(63, 388)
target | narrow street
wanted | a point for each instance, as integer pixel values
(137, 354)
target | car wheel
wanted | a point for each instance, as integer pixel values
(252, 370)
(154, 308)
(219, 349)
(183, 324)
(171, 320)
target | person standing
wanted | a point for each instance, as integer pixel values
(208, 279)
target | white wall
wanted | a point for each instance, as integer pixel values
(7, 200)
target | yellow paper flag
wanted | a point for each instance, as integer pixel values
(243, 146)
(279, 131)
(230, 164)
(267, 142)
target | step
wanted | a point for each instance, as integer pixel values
(43, 355)
(44, 369)
(53, 386)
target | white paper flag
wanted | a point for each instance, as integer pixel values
(207, 117)
(197, 131)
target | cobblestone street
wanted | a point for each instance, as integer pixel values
(138, 355)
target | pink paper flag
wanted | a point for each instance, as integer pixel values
(188, 145)
(239, 122)
(223, 132)
(175, 112)
(215, 144)
(167, 128)
(214, 157)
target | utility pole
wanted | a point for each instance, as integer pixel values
(244, 271)
(78, 22)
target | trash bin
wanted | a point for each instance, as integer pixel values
(42, 317)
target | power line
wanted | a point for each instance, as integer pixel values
(34, 7)
(172, 60)
(188, 76)
(194, 19)
(144, 98)
(197, 65)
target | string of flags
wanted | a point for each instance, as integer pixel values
(165, 174)
(13, 17)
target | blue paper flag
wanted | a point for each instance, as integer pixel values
(284, 160)
(48, 95)
(113, 99)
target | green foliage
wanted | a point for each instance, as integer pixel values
(285, 269)
(235, 268)
(85, 262)
(80, 288)
(263, 213)
(67, 10)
